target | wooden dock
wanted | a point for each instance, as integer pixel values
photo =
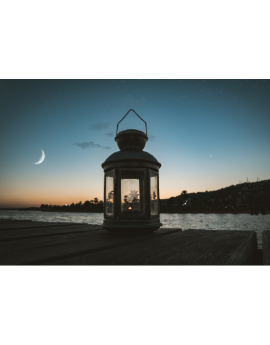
(39, 243)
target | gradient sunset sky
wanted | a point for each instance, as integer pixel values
(207, 134)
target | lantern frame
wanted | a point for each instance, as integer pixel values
(131, 159)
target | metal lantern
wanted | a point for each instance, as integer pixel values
(131, 185)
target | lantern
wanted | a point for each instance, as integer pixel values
(131, 185)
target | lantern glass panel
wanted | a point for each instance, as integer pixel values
(109, 201)
(132, 194)
(153, 193)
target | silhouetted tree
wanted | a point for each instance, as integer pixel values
(96, 200)
(87, 204)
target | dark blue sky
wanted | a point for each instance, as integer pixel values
(207, 134)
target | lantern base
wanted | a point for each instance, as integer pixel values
(131, 226)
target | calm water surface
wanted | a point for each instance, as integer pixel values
(186, 221)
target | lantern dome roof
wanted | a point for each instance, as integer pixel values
(131, 156)
(131, 140)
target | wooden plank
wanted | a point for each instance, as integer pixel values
(3, 220)
(190, 247)
(16, 226)
(47, 227)
(17, 223)
(266, 247)
(24, 233)
(43, 250)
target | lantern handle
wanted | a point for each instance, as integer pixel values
(137, 115)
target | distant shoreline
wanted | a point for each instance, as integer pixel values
(162, 212)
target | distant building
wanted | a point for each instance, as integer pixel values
(187, 202)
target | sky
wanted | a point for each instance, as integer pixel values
(207, 134)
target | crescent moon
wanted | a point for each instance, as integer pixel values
(41, 158)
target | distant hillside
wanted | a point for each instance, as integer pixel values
(241, 196)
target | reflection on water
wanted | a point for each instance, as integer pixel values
(76, 217)
(169, 220)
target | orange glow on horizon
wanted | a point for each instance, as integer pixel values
(33, 200)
